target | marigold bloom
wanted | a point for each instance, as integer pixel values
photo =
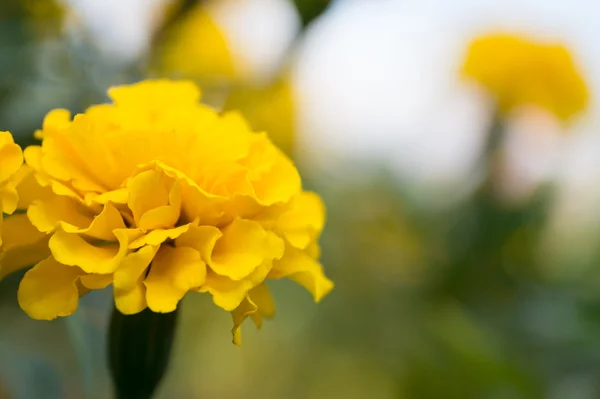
(159, 195)
(517, 71)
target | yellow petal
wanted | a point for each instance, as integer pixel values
(33, 157)
(119, 196)
(201, 238)
(173, 273)
(263, 299)
(244, 246)
(257, 304)
(302, 222)
(49, 290)
(274, 177)
(132, 301)
(129, 288)
(29, 189)
(11, 156)
(228, 293)
(59, 211)
(157, 237)
(133, 267)
(56, 120)
(103, 226)
(23, 245)
(9, 198)
(239, 315)
(304, 270)
(197, 203)
(96, 281)
(71, 249)
(156, 94)
(65, 163)
(150, 200)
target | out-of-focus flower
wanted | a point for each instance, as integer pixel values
(196, 47)
(518, 71)
(224, 43)
(269, 108)
(159, 195)
(11, 159)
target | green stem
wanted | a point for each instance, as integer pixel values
(139, 351)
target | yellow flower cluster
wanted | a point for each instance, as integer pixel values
(517, 71)
(159, 195)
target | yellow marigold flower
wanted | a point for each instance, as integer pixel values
(518, 71)
(159, 195)
(269, 108)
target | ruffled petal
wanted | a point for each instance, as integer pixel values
(73, 250)
(157, 237)
(239, 315)
(129, 288)
(96, 281)
(153, 203)
(23, 245)
(304, 270)
(244, 246)
(11, 156)
(59, 211)
(119, 196)
(9, 198)
(303, 220)
(173, 273)
(196, 202)
(201, 238)
(29, 189)
(257, 304)
(102, 226)
(156, 94)
(228, 293)
(49, 290)
(263, 299)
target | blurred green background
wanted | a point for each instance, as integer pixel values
(456, 277)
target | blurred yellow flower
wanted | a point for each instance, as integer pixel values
(270, 108)
(159, 195)
(195, 47)
(11, 158)
(518, 71)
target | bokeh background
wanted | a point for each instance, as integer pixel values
(451, 281)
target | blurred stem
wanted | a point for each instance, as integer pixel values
(139, 351)
(491, 151)
(489, 241)
(309, 10)
(480, 230)
(179, 10)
